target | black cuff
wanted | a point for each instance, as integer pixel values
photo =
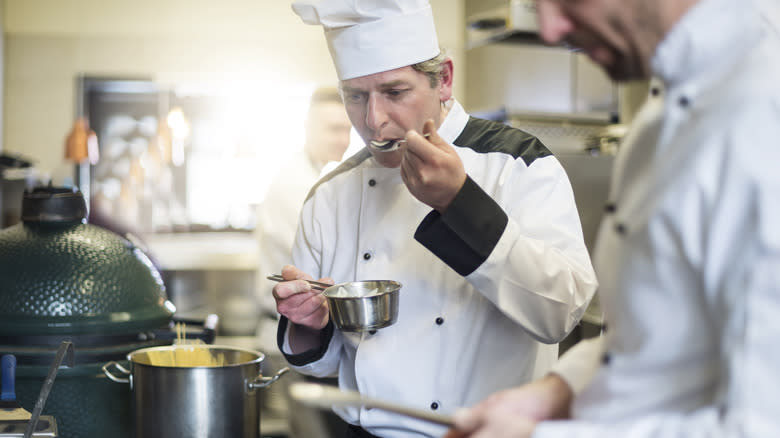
(465, 235)
(309, 356)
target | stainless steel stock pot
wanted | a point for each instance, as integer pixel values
(212, 400)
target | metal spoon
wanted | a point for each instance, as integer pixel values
(389, 145)
(326, 397)
(65, 351)
(314, 284)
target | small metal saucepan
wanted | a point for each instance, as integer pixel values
(359, 306)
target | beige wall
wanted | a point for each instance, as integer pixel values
(50, 43)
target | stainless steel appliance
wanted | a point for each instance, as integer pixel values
(489, 21)
(508, 67)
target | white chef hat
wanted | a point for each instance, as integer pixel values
(372, 36)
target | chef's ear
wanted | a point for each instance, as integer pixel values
(445, 80)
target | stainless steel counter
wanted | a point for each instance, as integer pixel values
(204, 251)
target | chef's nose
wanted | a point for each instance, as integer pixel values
(376, 114)
(554, 24)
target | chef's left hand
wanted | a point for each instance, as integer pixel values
(514, 412)
(497, 425)
(431, 169)
(502, 415)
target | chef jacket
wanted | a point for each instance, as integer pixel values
(487, 286)
(688, 256)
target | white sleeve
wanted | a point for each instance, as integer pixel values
(580, 363)
(517, 238)
(539, 273)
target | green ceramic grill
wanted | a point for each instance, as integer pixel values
(64, 279)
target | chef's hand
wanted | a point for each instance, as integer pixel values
(497, 425)
(431, 169)
(515, 412)
(305, 307)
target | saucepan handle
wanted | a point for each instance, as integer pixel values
(114, 378)
(262, 382)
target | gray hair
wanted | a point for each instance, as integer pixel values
(432, 68)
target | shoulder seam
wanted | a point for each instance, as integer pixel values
(345, 166)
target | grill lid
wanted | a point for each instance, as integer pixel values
(60, 275)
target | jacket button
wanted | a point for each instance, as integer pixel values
(606, 358)
(655, 91)
(367, 256)
(620, 229)
(435, 405)
(439, 321)
(684, 101)
(372, 182)
(372, 332)
(610, 207)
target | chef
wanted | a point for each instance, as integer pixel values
(327, 138)
(688, 254)
(477, 221)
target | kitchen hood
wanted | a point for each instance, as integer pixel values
(491, 21)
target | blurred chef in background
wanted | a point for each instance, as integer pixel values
(326, 140)
(478, 223)
(688, 255)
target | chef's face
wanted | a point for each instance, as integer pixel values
(619, 35)
(383, 106)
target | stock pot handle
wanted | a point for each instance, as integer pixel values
(262, 382)
(112, 376)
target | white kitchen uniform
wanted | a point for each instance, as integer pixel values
(489, 287)
(688, 255)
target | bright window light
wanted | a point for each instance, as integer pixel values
(237, 150)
